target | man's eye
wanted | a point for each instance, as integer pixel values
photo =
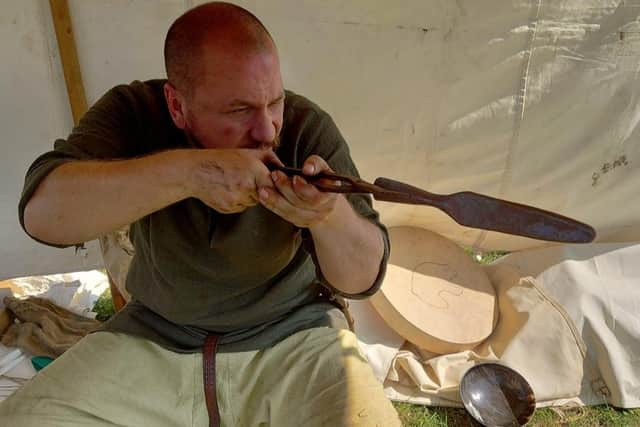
(238, 110)
(277, 102)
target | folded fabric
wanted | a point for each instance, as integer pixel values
(43, 328)
(533, 336)
(6, 319)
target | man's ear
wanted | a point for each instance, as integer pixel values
(176, 105)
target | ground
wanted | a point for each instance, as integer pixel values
(594, 416)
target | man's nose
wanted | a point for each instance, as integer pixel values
(264, 127)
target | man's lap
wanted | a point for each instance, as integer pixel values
(108, 379)
(314, 377)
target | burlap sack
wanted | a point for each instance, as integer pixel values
(43, 328)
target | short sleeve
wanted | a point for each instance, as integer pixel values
(109, 130)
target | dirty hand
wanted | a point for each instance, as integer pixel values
(297, 201)
(228, 180)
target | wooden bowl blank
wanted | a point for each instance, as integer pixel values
(434, 294)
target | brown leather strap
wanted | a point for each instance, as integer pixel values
(343, 305)
(209, 367)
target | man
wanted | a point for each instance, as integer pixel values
(230, 254)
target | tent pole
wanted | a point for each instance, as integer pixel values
(75, 88)
(69, 58)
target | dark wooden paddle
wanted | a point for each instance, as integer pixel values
(466, 208)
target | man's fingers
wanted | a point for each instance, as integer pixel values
(314, 165)
(278, 204)
(308, 193)
(298, 192)
(263, 177)
(285, 186)
(230, 178)
(268, 157)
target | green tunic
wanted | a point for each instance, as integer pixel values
(252, 276)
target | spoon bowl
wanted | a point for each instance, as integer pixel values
(497, 396)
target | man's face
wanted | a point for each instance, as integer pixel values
(237, 101)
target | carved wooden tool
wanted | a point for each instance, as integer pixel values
(466, 208)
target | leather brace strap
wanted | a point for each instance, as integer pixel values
(209, 367)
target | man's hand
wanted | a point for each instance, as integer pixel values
(296, 200)
(228, 180)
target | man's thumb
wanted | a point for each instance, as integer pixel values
(270, 158)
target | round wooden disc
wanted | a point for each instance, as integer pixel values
(434, 294)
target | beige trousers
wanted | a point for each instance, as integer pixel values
(316, 377)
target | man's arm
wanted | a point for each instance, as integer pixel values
(81, 200)
(349, 248)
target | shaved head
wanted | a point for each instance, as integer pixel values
(212, 28)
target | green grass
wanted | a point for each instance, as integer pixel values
(484, 257)
(104, 306)
(593, 416)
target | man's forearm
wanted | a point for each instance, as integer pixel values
(349, 249)
(81, 200)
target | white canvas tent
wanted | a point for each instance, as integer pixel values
(534, 101)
